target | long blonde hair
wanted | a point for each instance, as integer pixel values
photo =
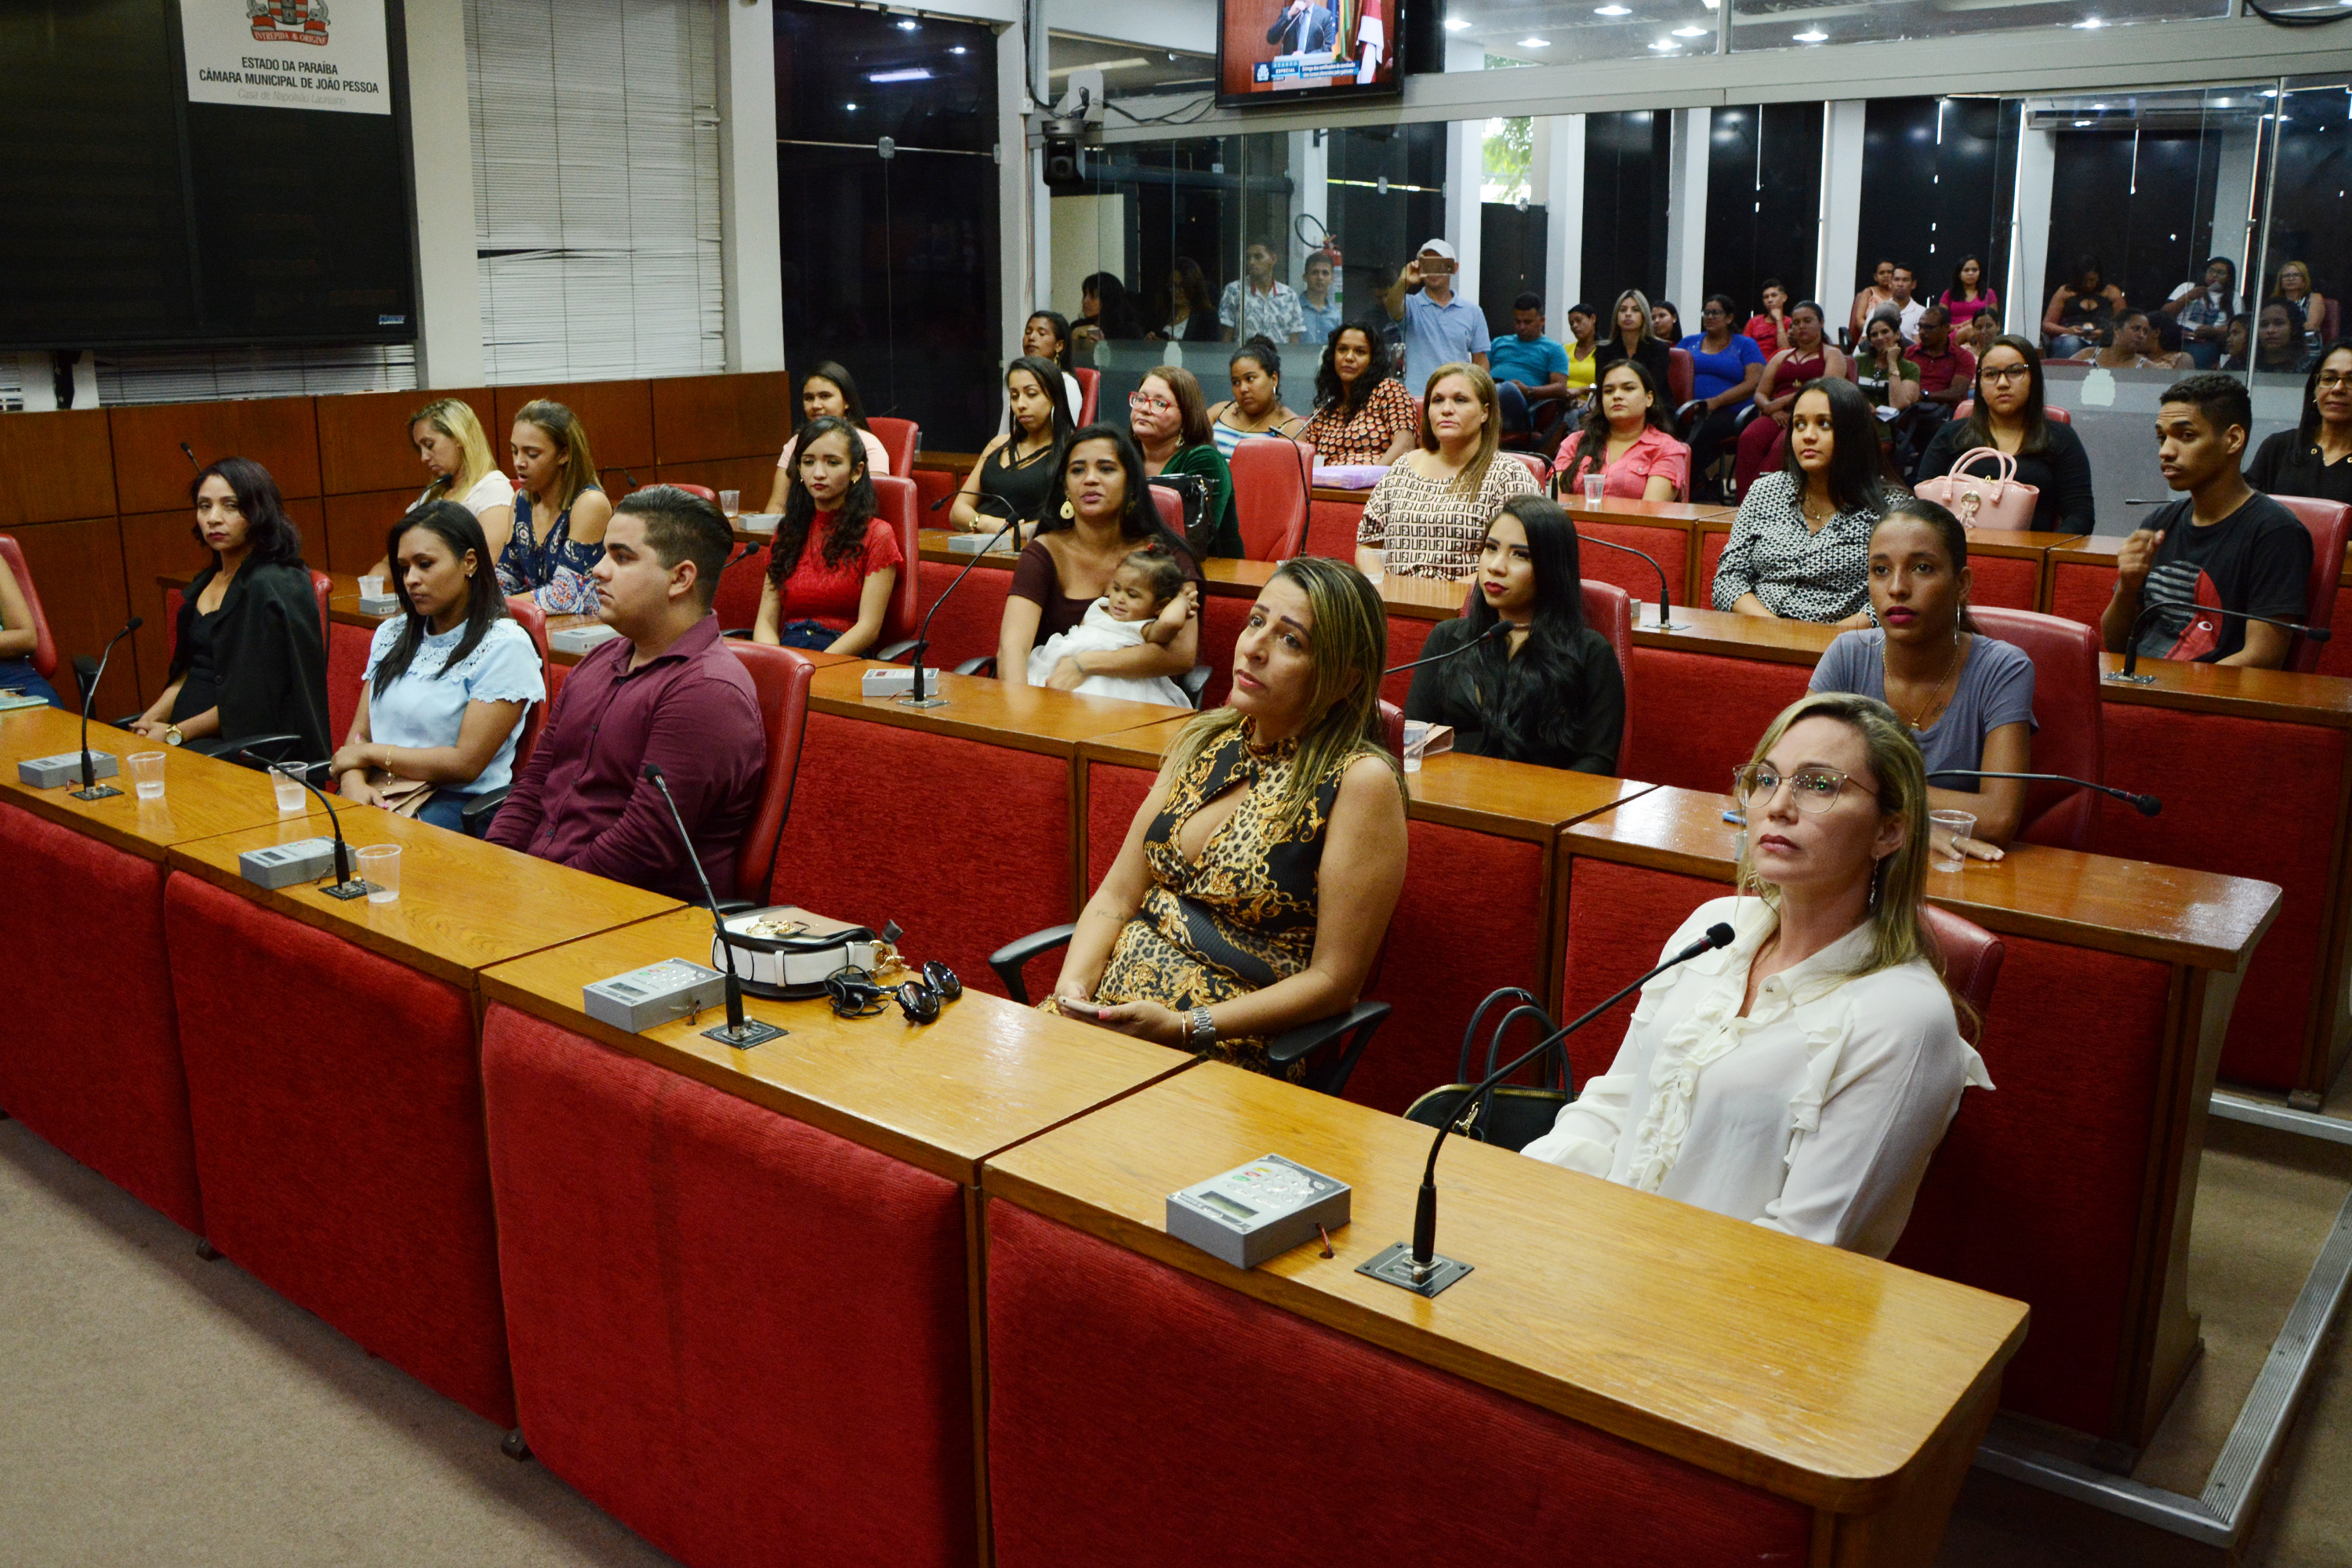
(1899, 881)
(563, 428)
(1349, 645)
(1490, 434)
(453, 418)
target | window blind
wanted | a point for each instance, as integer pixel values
(596, 206)
(207, 375)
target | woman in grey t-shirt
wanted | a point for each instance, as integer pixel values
(1966, 699)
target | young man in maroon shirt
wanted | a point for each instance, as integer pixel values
(665, 690)
(1948, 373)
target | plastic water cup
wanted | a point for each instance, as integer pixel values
(1593, 485)
(729, 500)
(146, 773)
(1945, 829)
(1416, 743)
(372, 587)
(291, 792)
(380, 864)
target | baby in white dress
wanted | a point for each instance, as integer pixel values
(1144, 603)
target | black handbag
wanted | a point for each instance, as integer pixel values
(1513, 1115)
(1199, 529)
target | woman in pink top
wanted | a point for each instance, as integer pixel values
(1969, 296)
(1626, 431)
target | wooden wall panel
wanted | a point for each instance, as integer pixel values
(364, 440)
(78, 568)
(618, 417)
(151, 474)
(56, 467)
(163, 543)
(698, 418)
(355, 529)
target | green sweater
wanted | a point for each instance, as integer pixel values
(1210, 464)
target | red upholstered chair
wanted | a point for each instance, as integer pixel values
(1681, 376)
(899, 506)
(1609, 610)
(1968, 405)
(1537, 463)
(1171, 509)
(2328, 521)
(705, 492)
(2068, 710)
(534, 620)
(1270, 484)
(45, 647)
(781, 678)
(901, 439)
(1971, 956)
(1089, 393)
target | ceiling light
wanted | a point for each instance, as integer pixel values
(1461, 25)
(2224, 103)
(849, 106)
(1702, 32)
(2088, 23)
(1665, 44)
(958, 49)
(1535, 43)
(1612, 10)
(2098, 106)
(2080, 123)
(911, 73)
(1812, 36)
(909, 25)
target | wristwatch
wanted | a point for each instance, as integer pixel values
(171, 737)
(1203, 1033)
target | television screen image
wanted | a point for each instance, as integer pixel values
(1274, 49)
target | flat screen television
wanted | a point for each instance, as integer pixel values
(1279, 51)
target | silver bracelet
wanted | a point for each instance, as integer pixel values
(1203, 1033)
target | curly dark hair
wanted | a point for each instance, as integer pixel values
(846, 540)
(1349, 399)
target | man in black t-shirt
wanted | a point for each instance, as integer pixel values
(2223, 547)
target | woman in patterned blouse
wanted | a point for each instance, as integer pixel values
(1801, 548)
(559, 513)
(1428, 515)
(1361, 414)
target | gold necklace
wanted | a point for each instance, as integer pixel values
(1933, 697)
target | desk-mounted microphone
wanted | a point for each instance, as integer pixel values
(190, 453)
(1500, 628)
(347, 886)
(739, 1031)
(1415, 1266)
(2131, 639)
(91, 788)
(2145, 805)
(1665, 621)
(915, 696)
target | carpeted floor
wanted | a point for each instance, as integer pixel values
(161, 1410)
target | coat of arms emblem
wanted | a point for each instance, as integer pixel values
(287, 21)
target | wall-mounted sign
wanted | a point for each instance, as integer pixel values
(289, 54)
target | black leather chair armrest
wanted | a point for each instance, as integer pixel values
(481, 811)
(1349, 1032)
(983, 666)
(1009, 960)
(891, 653)
(1194, 681)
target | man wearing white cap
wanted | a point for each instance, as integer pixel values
(1440, 326)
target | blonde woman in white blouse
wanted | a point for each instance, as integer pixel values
(1428, 515)
(1802, 1078)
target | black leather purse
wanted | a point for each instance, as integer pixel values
(1513, 1115)
(1199, 529)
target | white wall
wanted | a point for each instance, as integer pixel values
(1841, 215)
(1687, 212)
(2037, 165)
(752, 232)
(1562, 195)
(448, 296)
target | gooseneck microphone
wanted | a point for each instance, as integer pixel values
(2155, 606)
(739, 1031)
(190, 453)
(2145, 805)
(91, 788)
(1500, 628)
(915, 696)
(1415, 1266)
(346, 886)
(1666, 622)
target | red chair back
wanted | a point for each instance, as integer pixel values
(1270, 482)
(900, 509)
(1968, 405)
(781, 677)
(534, 620)
(1089, 391)
(2067, 708)
(1681, 376)
(45, 647)
(1609, 610)
(705, 492)
(1537, 463)
(1972, 957)
(2328, 521)
(901, 440)
(1171, 509)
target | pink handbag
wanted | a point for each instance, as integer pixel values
(2002, 504)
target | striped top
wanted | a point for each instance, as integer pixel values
(1430, 529)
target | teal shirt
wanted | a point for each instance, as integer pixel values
(1210, 464)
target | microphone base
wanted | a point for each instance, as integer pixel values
(921, 701)
(95, 792)
(357, 887)
(2133, 679)
(1394, 1266)
(753, 1032)
(1662, 626)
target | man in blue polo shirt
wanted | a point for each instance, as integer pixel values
(1530, 370)
(1441, 327)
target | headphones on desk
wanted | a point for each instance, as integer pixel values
(855, 994)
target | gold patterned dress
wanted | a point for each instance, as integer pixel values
(1243, 915)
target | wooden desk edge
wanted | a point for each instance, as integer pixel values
(1839, 1494)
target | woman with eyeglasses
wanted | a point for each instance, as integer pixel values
(1727, 366)
(2008, 417)
(1170, 421)
(1966, 699)
(2314, 458)
(1802, 1078)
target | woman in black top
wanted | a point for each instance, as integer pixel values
(2279, 338)
(1107, 310)
(249, 657)
(2314, 458)
(1016, 476)
(1630, 337)
(1550, 691)
(2008, 417)
(1192, 306)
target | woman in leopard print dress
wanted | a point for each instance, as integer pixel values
(1258, 878)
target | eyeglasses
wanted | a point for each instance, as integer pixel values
(1754, 785)
(2335, 378)
(2007, 372)
(1136, 399)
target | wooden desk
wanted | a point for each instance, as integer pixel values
(335, 1080)
(1675, 1386)
(95, 1069)
(1475, 913)
(955, 822)
(742, 1288)
(2073, 1184)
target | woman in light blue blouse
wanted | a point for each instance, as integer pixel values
(448, 681)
